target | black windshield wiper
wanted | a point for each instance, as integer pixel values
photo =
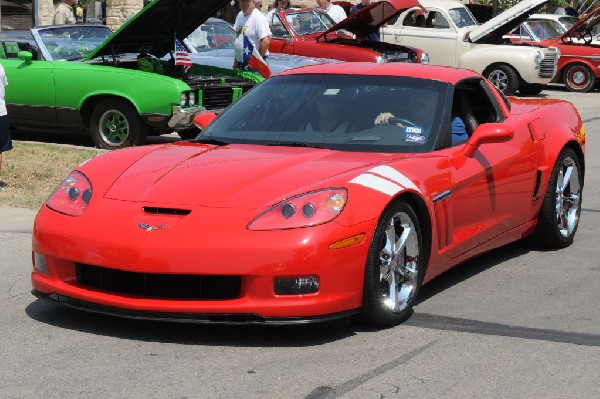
(211, 141)
(297, 144)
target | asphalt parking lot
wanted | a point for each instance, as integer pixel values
(517, 322)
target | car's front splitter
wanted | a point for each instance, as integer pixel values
(196, 318)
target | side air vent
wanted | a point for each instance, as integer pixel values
(166, 211)
(538, 179)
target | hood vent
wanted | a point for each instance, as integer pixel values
(166, 211)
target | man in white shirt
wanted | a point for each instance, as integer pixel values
(64, 13)
(251, 22)
(336, 12)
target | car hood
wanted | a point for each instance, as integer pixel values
(373, 16)
(585, 25)
(239, 176)
(504, 22)
(153, 29)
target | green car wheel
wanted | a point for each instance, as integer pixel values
(114, 123)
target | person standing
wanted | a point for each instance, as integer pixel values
(360, 6)
(280, 5)
(64, 13)
(5, 139)
(252, 23)
(371, 34)
(569, 10)
(336, 12)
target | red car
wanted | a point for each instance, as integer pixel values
(579, 63)
(290, 209)
(312, 33)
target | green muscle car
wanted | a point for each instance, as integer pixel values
(118, 87)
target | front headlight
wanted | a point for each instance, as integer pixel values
(305, 210)
(424, 57)
(192, 99)
(381, 59)
(183, 99)
(538, 58)
(72, 195)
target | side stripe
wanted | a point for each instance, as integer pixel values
(392, 174)
(377, 183)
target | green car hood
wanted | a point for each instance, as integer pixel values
(153, 29)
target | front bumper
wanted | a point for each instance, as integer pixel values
(183, 118)
(201, 243)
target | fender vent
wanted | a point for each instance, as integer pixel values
(166, 211)
(538, 178)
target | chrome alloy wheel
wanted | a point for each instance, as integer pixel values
(499, 79)
(568, 197)
(114, 128)
(579, 78)
(399, 262)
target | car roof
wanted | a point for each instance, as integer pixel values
(433, 72)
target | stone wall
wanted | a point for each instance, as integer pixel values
(119, 11)
(46, 12)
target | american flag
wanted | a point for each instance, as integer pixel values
(181, 56)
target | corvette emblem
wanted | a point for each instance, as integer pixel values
(149, 227)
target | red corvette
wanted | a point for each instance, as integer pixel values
(312, 33)
(290, 209)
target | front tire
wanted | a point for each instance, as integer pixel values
(504, 78)
(559, 216)
(579, 78)
(530, 89)
(115, 123)
(395, 267)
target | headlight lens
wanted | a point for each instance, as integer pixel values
(424, 57)
(381, 59)
(72, 195)
(538, 58)
(310, 209)
(183, 100)
(192, 98)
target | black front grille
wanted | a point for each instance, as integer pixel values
(219, 97)
(164, 286)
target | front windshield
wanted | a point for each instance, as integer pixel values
(568, 22)
(462, 17)
(212, 35)
(545, 29)
(73, 42)
(341, 112)
(307, 22)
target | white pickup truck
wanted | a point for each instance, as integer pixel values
(447, 30)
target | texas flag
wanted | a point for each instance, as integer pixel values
(251, 57)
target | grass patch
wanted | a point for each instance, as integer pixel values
(32, 170)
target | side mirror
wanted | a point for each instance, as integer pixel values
(203, 120)
(25, 56)
(487, 133)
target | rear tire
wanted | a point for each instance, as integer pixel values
(395, 267)
(559, 216)
(579, 78)
(504, 78)
(115, 123)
